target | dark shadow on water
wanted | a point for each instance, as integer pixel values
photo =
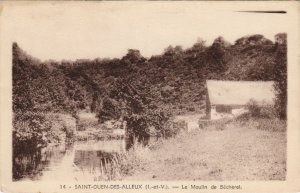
(100, 157)
(104, 165)
(31, 162)
(141, 139)
(92, 159)
(28, 164)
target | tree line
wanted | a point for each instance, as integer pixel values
(146, 91)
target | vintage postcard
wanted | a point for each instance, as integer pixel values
(149, 96)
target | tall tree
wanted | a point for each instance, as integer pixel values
(280, 72)
(216, 55)
(129, 101)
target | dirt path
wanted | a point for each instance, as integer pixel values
(231, 154)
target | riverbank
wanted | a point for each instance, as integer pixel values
(234, 150)
(240, 149)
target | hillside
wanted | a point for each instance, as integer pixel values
(144, 94)
(175, 79)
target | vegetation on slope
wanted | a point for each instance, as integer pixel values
(145, 91)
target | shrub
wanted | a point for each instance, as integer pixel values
(29, 130)
(62, 125)
(262, 110)
(254, 108)
(173, 128)
(35, 129)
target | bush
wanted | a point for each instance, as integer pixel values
(29, 130)
(35, 129)
(173, 128)
(262, 110)
(62, 126)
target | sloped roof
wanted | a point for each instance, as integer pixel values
(240, 92)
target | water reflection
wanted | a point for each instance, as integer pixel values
(102, 165)
(90, 160)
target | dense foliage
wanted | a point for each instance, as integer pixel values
(146, 91)
(128, 101)
(280, 76)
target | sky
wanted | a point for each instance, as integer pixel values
(108, 29)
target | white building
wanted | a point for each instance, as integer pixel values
(227, 99)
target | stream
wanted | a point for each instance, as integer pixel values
(83, 160)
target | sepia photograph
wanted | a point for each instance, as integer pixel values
(206, 112)
(153, 91)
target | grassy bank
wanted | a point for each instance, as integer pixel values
(244, 149)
